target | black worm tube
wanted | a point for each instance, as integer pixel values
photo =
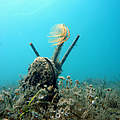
(35, 51)
(68, 51)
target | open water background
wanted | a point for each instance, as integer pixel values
(97, 53)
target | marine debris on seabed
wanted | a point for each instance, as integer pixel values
(45, 95)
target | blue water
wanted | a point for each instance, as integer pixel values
(97, 53)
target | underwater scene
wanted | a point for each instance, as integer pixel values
(59, 59)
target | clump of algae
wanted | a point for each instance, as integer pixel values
(73, 100)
